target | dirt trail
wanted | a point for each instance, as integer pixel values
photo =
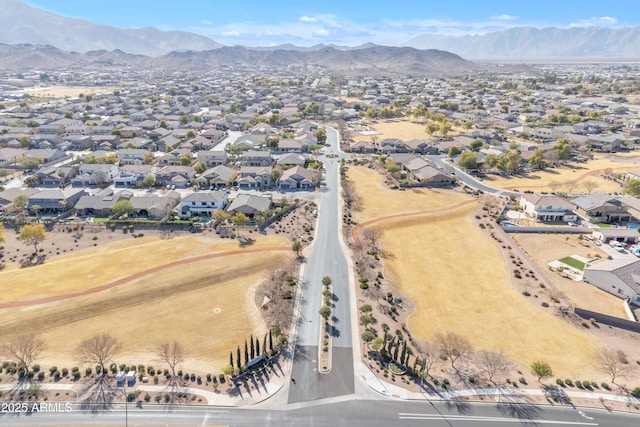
(355, 233)
(124, 280)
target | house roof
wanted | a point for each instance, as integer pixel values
(547, 200)
(593, 201)
(627, 269)
(205, 196)
(250, 202)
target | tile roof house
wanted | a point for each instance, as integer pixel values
(547, 208)
(298, 178)
(602, 207)
(217, 176)
(201, 203)
(249, 204)
(620, 277)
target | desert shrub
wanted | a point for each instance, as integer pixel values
(579, 384)
(560, 382)
(568, 382)
(522, 380)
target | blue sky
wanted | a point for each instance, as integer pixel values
(305, 23)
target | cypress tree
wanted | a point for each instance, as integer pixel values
(231, 358)
(246, 352)
(395, 352)
(264, 345)
(257, 346)
(253, 348)
(238, 359)
(270, 342)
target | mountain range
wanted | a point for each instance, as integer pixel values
(529, 43)
(24, 24)
(374, 60)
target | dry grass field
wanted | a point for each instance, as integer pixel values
(207, 305)
(460, 282)
(580, 172)
(544, 248)
(380, 202)
(67, 91)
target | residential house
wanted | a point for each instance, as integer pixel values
(178, 176)
(212, 158)
(602, 207)
(256, 158)
(298, 178)
(292, 159)
(131, 156)
(132, 175)
(56, 201)
(254, 177)
(8, 196)
(48, 155)
(154, 206)
(173, 158)
(547, 208)
(288, 145)
(94, 174)
(249, 204)
(9, 156)
(217, 176)
(100, 204)
(619, 277)
(619, 234)
(422, 172)
(201, 203)
(52, 176)
(363, 147)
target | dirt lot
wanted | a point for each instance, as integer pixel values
(67, 91)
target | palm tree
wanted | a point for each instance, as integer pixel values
(36, 209)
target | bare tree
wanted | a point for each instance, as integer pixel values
(171, 353)
(99, 349)
(554, 185)
(570, 185)
(429, 356)
(371, 236)
(23, 349)
(453, 346)
(494, 363)
(612, 363)
(590, 185)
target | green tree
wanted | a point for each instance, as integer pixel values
(28, 162)
(376, 344)
(228, 370)
(562, 149)
(512, 161)
(541, 369)
(321, 135)
(325, 311)
(219, 216)
(454, 151)
(632, 187)
(296, 247)
(239, 219)
(537, 160)
(36, 211)
(2, 238)
(148, 158)
(122, 208)
(368, 337)
(468, 160)
(200, 167)
(149, 181)
(186, 159)
(365, 320)
(431, 128)
(326, 280)
(32, 234)
(476, 144)
(20, 202)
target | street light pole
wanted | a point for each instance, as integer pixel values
(126, 404)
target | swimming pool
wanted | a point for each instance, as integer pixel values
(508, 224)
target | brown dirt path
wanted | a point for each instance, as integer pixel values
(355, 233)
(124, 280)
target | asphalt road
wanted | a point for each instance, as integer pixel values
(375, 413)
(326, 259)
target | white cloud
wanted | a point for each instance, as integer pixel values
(322, 33)
(598, 21)
(307, 19)
(230, 33)
(206, 22)
(504, 17)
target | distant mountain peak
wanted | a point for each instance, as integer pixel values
(530, 43)
(21, 23)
